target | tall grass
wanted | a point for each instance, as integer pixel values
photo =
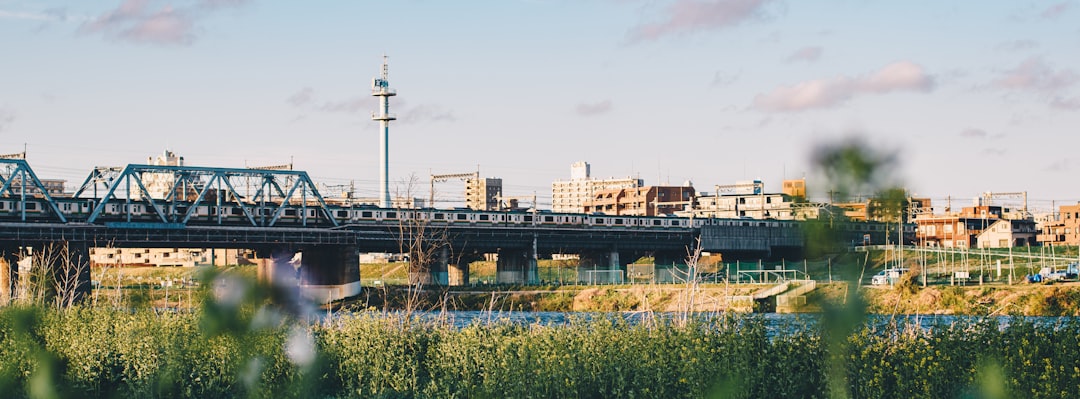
(85, 352)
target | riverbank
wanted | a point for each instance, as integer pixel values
(1062, 299)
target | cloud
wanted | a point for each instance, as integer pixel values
(721, 79)
(997, 152)
(352, 105)
(973, 133)
(1034, 75)
(807, 54)
(427, 113)
(824, 93)
(1068, 104)
(1055, 10)
(137, 21)
(685, 16)
(586, 109)
(7, 117)
(302, 97)
(1018, 45)
(1058, 166)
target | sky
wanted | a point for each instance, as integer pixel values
(971, 97)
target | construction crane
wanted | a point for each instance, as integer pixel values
(447, 177)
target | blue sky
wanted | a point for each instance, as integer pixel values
(973, 96)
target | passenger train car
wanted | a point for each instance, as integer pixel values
(295, 215)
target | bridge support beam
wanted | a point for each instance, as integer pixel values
(274, 266)
(516, 266)
(670, 266)
(458, 269)
(429, 267)
(330, 272)
(9, 275)
(603, 266)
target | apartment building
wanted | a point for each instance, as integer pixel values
(569, 196)
(1064, 230)
(483, 193)
(641, 201)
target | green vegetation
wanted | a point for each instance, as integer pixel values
(95, 352)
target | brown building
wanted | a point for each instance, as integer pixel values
(795, 188)
(1065, 230)
(641, 201)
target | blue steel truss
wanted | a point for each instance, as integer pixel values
(15, 174)
(177, 192)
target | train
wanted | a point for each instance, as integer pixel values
(119, 211)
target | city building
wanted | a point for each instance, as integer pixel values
(753, 206)
(1063, 230)
(963, 229)
(795, 188)
(1005, 233)
(55, 187)
(641, 201)
(483, 193)
(569, 196)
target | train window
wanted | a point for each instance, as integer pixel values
(656, 223)
(618, 221)
(549, 219)
(289, 212)
(440, 216)
(237, 211)
(2, 205)
(461, 216)
(484, 217)
(365, 214)
(528, 218)
(342, 214)
(598, 221)
(391, 215)
(67, 207)
(30, 206)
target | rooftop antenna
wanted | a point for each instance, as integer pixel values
(380, 87)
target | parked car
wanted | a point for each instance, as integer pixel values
(888, 276)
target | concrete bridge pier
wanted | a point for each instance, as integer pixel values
(275, 266)
(670, 266)
(458, 269)
(429, 267)
(9, 274)
(516, 266)
(329, 272)
(601, 267)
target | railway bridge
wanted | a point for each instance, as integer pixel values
(279, 213)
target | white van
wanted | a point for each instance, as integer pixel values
(887, 276)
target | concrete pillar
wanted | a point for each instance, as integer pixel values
(428, 268)
(9, 274)
(458, 272)
(274, 266)
(68, 265)
(670, 266)
(516, 266)
(330, 272)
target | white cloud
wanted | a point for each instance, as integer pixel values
(134, 20)
(684, 16)
(807, 54)
(591, 109)
(1034, 75)
(824, 93)
(1055, 10)
(302, 97)
(973, 133)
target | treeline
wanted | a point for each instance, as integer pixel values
(93, 352)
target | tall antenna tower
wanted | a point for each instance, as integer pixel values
(380, 87)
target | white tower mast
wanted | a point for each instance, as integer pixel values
(380, 87)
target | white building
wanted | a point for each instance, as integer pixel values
(569, 196)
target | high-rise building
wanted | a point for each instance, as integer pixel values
(483, 193)
(569, 196)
